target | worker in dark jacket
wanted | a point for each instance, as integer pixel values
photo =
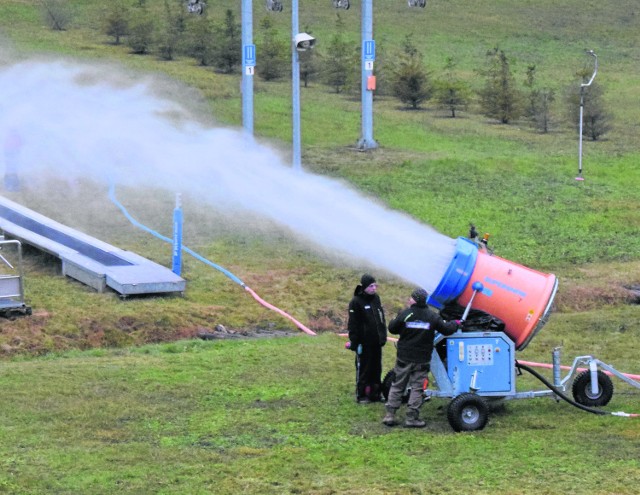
(367, 335)
(416, 325)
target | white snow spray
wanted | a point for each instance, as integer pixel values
(79, 121)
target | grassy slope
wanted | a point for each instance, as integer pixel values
(277, 416)
(255, 417)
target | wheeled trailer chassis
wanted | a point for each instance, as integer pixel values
(475, 368)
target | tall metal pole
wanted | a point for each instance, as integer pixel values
(368, 56)
(176, 264)
(295, 83)
(248, 65)
(582, 86)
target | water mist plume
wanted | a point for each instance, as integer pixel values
(77, 121)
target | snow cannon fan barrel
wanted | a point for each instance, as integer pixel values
(517, 295)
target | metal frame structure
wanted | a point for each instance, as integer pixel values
(11, 282)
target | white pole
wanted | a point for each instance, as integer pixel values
(582, 86)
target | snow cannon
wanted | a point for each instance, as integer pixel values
(517, 295)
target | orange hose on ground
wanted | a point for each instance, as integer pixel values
(279, 311)
(550, 366)
(389, 339)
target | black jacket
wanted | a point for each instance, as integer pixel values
(367, 325)
(416, 327)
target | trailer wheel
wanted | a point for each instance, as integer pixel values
(386, 386)
(582, 389)
(468, 412)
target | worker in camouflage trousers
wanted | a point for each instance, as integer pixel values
(367, 335)
(416, 326)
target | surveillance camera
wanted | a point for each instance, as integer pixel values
(304, 42)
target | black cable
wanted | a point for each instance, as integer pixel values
(558, 392)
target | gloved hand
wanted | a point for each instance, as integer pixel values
(352, 347)
(459, 323)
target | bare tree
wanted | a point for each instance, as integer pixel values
(540, 102)
(57, 14)
(542, 105)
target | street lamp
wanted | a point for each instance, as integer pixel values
(300, 42)
(582, 86)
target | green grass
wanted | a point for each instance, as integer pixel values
(277, 416)
(104, 396)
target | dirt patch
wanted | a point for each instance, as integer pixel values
(586, 297)
(220, 332)
(591, 287)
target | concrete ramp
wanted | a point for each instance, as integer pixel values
(85, 258)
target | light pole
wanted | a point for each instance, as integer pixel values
(295, 88)
(366, 141)
(582, 86)
(248, 65)
(299, 42)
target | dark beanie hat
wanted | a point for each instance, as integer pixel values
(367, 280)
(419, 295)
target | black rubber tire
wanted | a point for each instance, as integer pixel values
(468, 412)
(582, 389)
(386, 386)
(386, 383)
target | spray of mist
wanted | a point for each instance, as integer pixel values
(79, 122)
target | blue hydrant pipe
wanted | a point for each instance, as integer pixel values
(176, 265)
(112, 196)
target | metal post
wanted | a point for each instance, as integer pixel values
(295, 83)
(557, 379)
(177, 237)
(247, 67)
(582, 86)
(366, 139)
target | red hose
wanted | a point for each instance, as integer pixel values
(279, 311)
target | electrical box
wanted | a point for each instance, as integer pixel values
(481, 362)
(371, 83)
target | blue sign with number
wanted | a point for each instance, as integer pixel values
(369, 50)
(249, 55)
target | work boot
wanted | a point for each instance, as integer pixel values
(390, 417)
(413, 421)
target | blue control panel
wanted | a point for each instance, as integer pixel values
(481, 362)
